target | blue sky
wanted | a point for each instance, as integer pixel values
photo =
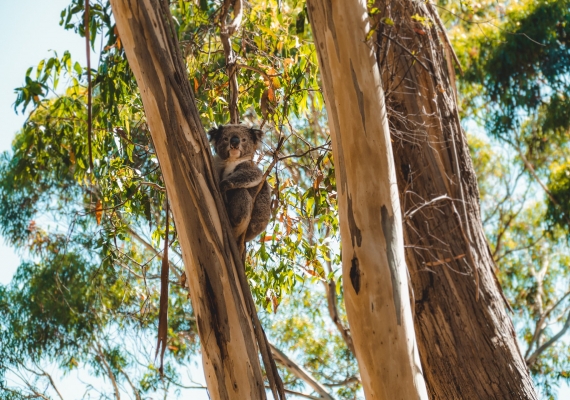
(30, 30)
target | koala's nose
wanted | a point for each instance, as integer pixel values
(234, 141)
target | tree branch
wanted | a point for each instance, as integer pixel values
(282, 359)
(226, 31)
(135, 390)
(151, 248)
(538, 327)
(107, 368)
(42, 373)
(330, 288)
(534, 356)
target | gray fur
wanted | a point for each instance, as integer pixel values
(240, 178)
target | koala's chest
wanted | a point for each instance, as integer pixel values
(229, 168)
(225, 168)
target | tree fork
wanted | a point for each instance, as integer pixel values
(230, 332)
(375, 275)
(468, 347)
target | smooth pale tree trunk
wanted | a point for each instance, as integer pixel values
(467, 342)
(230, 332)
(375, 276)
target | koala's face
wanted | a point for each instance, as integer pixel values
(235, 141)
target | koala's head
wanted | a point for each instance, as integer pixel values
(234, 141)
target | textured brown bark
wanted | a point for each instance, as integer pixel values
(374, 272)
(466, 339)
(230, 332)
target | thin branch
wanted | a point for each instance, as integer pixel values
(540, 322)
(107, 368)
(51, 381)
(260, 72)
(151, 248)
(439, 23)
(42, 373)
(89, 94)
(410, 214)
(406, 50)
(282, 359)
(135, 390)
(330, 288)
(226, 31)
(153, 185)
(354, 378)
(534, 356)
(325, 146)
(531, 170)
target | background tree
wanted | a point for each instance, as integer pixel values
(450, 265)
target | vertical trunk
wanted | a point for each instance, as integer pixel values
(466, 340)
(375, 276)
(229, 330)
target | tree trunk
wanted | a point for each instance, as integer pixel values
(229, 329)
(466, 340)
(374, 271)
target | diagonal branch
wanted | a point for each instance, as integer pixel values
(534, 356)
(107, 369)
(282, 359)
(330, 288)
(538, 327)
(151, 248)
(42, 373)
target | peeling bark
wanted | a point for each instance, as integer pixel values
(375, 274)
(230, 332)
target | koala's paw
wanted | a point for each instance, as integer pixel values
(225, 186)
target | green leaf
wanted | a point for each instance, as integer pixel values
(77, 68)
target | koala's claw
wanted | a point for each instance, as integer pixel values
(225, 186)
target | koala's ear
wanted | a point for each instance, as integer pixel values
(215, 133)
(256, 134)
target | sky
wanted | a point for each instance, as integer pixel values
(30, 31)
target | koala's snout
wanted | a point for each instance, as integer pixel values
(234, 142)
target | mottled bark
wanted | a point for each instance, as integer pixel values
(375, 276)
(230, 332)
(466, 339)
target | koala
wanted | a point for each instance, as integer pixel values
(240, 177)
